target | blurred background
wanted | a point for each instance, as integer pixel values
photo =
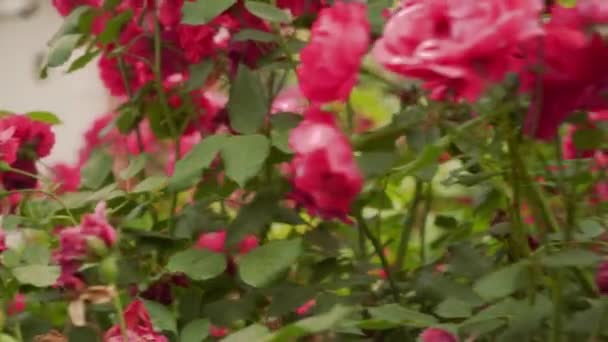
(77, 98)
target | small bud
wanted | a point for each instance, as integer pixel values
(96, 246)
(108, 270)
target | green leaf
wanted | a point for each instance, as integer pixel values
(36, 255)
(454, 308)
(588, 138)
(287, 298)
(96, 170)
(46, 117)
(501, 282)
(198, 74)
(62, 49)
(244, 156)
(254, 35)
(195, 331)
(375, 164)
(264, 264)
(226, 312)
(311, 325)
(567, 3)
(188, 169)
(247, 105)
(162, 318)
(282, 124)
(83, 60)
(394, 313)
(267, 11)
(71, 23)
(201, 12)
(198, 264)
(150, 184)
(253, 217)
(571, 258)
(135, 166)
(254, 332)
(114, 26)
(37, 275)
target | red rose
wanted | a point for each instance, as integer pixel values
(325, 177)
(457, 47)
(330, 62)
(67, 176)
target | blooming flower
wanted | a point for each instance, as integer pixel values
(437, 335)
(73, 247)
(8, 145)
(325, 177)
(572, 73)
(29, 134)
(457, 47)
(330, 62)
(217, 332)
(138, 324)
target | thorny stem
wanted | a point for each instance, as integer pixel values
(378, 249)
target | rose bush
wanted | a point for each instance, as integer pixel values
(320, 170)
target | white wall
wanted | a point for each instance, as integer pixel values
(76, 98)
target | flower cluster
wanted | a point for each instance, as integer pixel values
(22, 142)
(79, 242)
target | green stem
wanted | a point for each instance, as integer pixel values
(166, 110)
(428, 200)
(520, 247)
(121, 317)
(557, 298)
(18, 333)
(48, 194)
(408, 225)
(378, 249)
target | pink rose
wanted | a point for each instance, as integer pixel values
(330, 62)
(457, 47)
(139, 326)
(325, 176)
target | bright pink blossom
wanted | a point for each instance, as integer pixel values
(8, 145)
(330, 62)
(67, 176)
(214, 241)
(457, 47)
(217, 331)
(289, 100)
(437, 335)
(29, 133)
(16, 305)
(203, 41)
(139, 326)
(306, 307)
(249, 243)
(325, 176)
